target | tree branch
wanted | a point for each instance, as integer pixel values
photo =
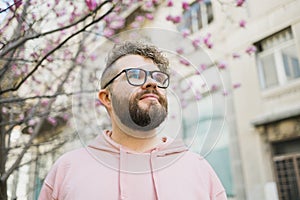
(14, 100)
(28, 37)
(55, 49)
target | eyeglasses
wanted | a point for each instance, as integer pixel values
(137, 77)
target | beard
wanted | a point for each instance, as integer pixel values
(132, 115)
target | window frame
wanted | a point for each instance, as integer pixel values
(198, 15)
(276, 52)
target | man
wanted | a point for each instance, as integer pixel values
(132, 161)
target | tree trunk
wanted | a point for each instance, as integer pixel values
(3, 190)
(3, 183)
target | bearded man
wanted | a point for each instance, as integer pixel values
(132, 161)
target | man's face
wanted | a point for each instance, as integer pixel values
(141, 108)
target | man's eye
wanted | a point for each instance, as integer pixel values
(159, 77)
(134, 75)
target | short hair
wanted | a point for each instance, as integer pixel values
(133, 48)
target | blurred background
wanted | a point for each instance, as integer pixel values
(234, 95)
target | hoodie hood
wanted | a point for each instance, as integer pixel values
(125, 161)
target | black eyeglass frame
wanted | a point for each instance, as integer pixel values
(145, 79)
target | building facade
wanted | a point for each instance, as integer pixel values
(267, 105)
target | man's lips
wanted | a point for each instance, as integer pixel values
(149, 96)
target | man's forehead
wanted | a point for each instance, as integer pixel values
(135, 61)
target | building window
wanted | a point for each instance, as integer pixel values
(287, 168)
(277, 59)
(198, 16)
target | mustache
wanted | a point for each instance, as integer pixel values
(161, 99)
(150, 92)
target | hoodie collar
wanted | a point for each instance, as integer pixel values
(166, 146)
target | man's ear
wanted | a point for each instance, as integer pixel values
(104, 98)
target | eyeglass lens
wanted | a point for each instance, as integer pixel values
(138, 77)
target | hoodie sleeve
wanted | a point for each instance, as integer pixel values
(54, 180)
(217, 191)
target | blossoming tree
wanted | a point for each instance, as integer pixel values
(44, 45)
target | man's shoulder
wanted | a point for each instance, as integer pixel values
(73, 156)
(197, 159)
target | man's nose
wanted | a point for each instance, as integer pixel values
(150, 83)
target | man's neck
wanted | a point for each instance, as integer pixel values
(138, 144)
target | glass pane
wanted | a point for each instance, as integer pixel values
(291, 62)
(269, 70)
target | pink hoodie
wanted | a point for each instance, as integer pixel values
(106, 170)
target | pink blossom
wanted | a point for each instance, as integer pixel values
(33, 16)
(31, 122)
(30, 130)
(207, 41)
(240, 2)
(61, 13)
(135, 25)
(198, 95)
(242, 23)
(225, 93)
(65, 117)
(184, 103)
(108, 32)
(185, 5)
(170, 3)
(108, 18)
(52, 121)
(67, 54)
(44, 102)
(176, 19)
(80, 59)
(4, 110)
(50, 59)
(14, 67)
(17, 73)
(236, 55)
(149, 4)
(155, 2)
(203, 67)
(250, 50)
(18, 3)
(139, 18)
(25, 69)
(93, 57)
(169, 18)
(222, 65)
(91, 4)
(149, 16)
(236, 85)
(117, 24)
(198, 72)
(180, 50)
(186, 32)
(214, 87)
(73, 16)
(184, 62)
(21, 116)
(34, 55)
(196, 43)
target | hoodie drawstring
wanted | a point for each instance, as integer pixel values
(121, 175)
(152, 156)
